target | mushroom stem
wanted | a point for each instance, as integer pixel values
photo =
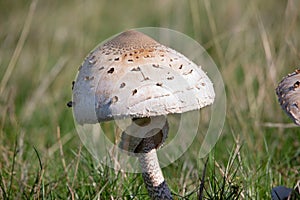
(145, 148)
(152, 174)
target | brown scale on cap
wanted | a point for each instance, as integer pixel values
(288, 92)
(130, 47)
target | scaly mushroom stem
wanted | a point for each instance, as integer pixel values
(153, 177)
(152, 174)
(145, 149)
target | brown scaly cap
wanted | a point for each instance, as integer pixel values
(133, 76)
(288, 92)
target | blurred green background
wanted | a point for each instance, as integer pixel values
(42, 44)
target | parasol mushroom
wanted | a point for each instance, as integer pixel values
(132, 76)
(288, 92)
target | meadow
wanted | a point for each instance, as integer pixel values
(42, 44)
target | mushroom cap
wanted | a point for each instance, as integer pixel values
(134, 76)
(288, 92)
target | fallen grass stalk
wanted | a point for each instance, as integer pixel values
(279, 125)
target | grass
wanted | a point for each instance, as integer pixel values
(42, 44)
